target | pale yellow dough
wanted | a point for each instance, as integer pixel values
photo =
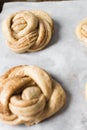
(81, 31)
(28, 95)
(86, 91)
(28, 31)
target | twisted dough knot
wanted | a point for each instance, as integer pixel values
(29, 95)
(28, 31)
(81, 31)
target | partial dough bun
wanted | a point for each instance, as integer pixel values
(28, 31)
(81, 31)
(86, 91)
(29, 95)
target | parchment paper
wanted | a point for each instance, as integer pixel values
(65, 58)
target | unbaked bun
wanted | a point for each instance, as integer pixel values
(28, 95)
(28, 31)
(81, 31)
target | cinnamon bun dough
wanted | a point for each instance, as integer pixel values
(28, 95)
(28, 31)
(81, 31)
